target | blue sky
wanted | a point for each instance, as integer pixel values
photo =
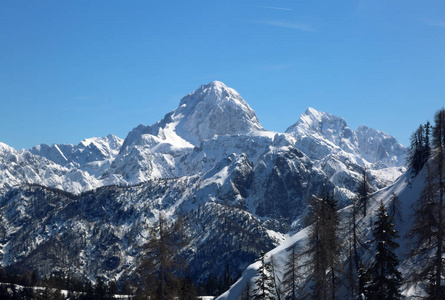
(74, 69)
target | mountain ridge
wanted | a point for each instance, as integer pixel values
(243, 177)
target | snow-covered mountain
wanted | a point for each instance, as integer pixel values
(209, 160)
(22, 167)
(86, 152)
(407, 188)
(319, 134)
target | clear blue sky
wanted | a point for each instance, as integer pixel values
(74, 69)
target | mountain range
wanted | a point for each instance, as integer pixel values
(85, 209)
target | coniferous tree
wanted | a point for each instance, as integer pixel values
(383, 275)
(428, 229)
(274, 270)
(323, 246)
(264, 284)
(420, 149)
(395, 208)
(439, 184)
(416, 150)
(160, 258)
(427, 145)
(333, 242)
(363, 191)
(355, 246)
(291, 274)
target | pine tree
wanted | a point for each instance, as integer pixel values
(264, 284)
(384, 277)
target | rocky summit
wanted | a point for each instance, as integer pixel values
(81, 209)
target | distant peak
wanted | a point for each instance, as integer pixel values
(213, 109)
(216, 83)
(316, 113)
(311, 110)
(214, 91)
(328, 126)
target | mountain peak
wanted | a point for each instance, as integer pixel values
(318, 122)
(215, 91)
(214, 109)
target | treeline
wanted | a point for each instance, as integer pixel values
(29, 286)
(162, 274)
(318, 271)
(335, 262)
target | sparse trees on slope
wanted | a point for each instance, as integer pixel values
(383, 275)
(353, 261)
(274, 270)
(264, 284)
(428, 229)
(291, 275)
(420, 149)
(324, 246)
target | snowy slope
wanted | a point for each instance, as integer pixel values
(18, 167)
(319, 134)
(87, 151)
(341, 152)
(93, 155)
(406, 187)
(212, 111)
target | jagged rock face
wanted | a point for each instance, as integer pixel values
(87, 151)
(214, 109)
(18, 167)
(376, 146)
(319, 134)
(209, 160)
(100, 233)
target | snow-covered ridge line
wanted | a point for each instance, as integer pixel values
(209, 159)
(214, 113)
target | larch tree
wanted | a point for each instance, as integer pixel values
(291, 274)
(356, 244)
(160, 262)
(275, 270)
(324, 246)
(395, 208)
